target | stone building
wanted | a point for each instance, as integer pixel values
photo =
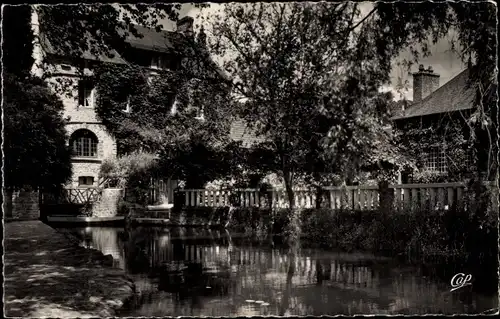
(90, 142)
(441, 108)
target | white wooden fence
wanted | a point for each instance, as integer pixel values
(406, 196)
(217, 198)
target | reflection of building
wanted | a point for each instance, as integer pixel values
(191, 277)
(106, 241)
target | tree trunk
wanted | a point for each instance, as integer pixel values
(319, 190)
(294, 218)
(289, 190)
(319, 272)
(319, 197)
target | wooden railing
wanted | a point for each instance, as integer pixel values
(404, 196)
(73, 196)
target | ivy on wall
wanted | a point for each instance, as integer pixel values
(449, 134)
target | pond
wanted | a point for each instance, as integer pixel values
(200, 272)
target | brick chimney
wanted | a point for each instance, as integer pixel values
(425, 81)
(185, 26)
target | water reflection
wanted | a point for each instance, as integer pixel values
(195, 272)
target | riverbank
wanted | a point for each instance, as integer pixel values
(47, 275)
(427, 236)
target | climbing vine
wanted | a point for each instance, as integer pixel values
(446, 134)
(170, 114)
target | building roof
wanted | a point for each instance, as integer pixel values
(241, 132)
(161, 41)
(151, 40)
(49, 48)
(455, 95)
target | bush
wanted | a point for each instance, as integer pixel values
(251, 219)
(424, 235)
(129, 209)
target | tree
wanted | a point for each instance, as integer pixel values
(35, 148)
(298, 65)
(17, 40)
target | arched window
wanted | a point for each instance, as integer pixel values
(84, 143)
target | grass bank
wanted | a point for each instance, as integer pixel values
(47, 275)
(425, 236)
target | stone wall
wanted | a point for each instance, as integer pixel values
(21, 205)
(80, 117)
(107, 206)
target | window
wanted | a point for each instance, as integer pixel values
(85, 181)
(436, 161)
(159, 61)
(155, 62)
(85, 93)
(175, 106)
(199, 113)
(127, 109)
(152, 77)
(84, 144)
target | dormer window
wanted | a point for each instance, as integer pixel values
(86, 93)
(156, 61)
(159, 61)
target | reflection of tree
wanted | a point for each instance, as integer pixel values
(135, 252)
(285, 301)
(319, 272)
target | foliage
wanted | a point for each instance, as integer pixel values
(251, 220)
(132, 172)
(423, 235)
(163, 120)
(475, 25)
(17, 40)
(97, 29)
(309, 75)
(444, 135)
(35, 148)
(214, 216)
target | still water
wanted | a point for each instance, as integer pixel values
(195, 272)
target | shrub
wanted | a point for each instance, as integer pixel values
(251, 219)
(425, 234)
(281, 221)
(133, 172)
(129, 209)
